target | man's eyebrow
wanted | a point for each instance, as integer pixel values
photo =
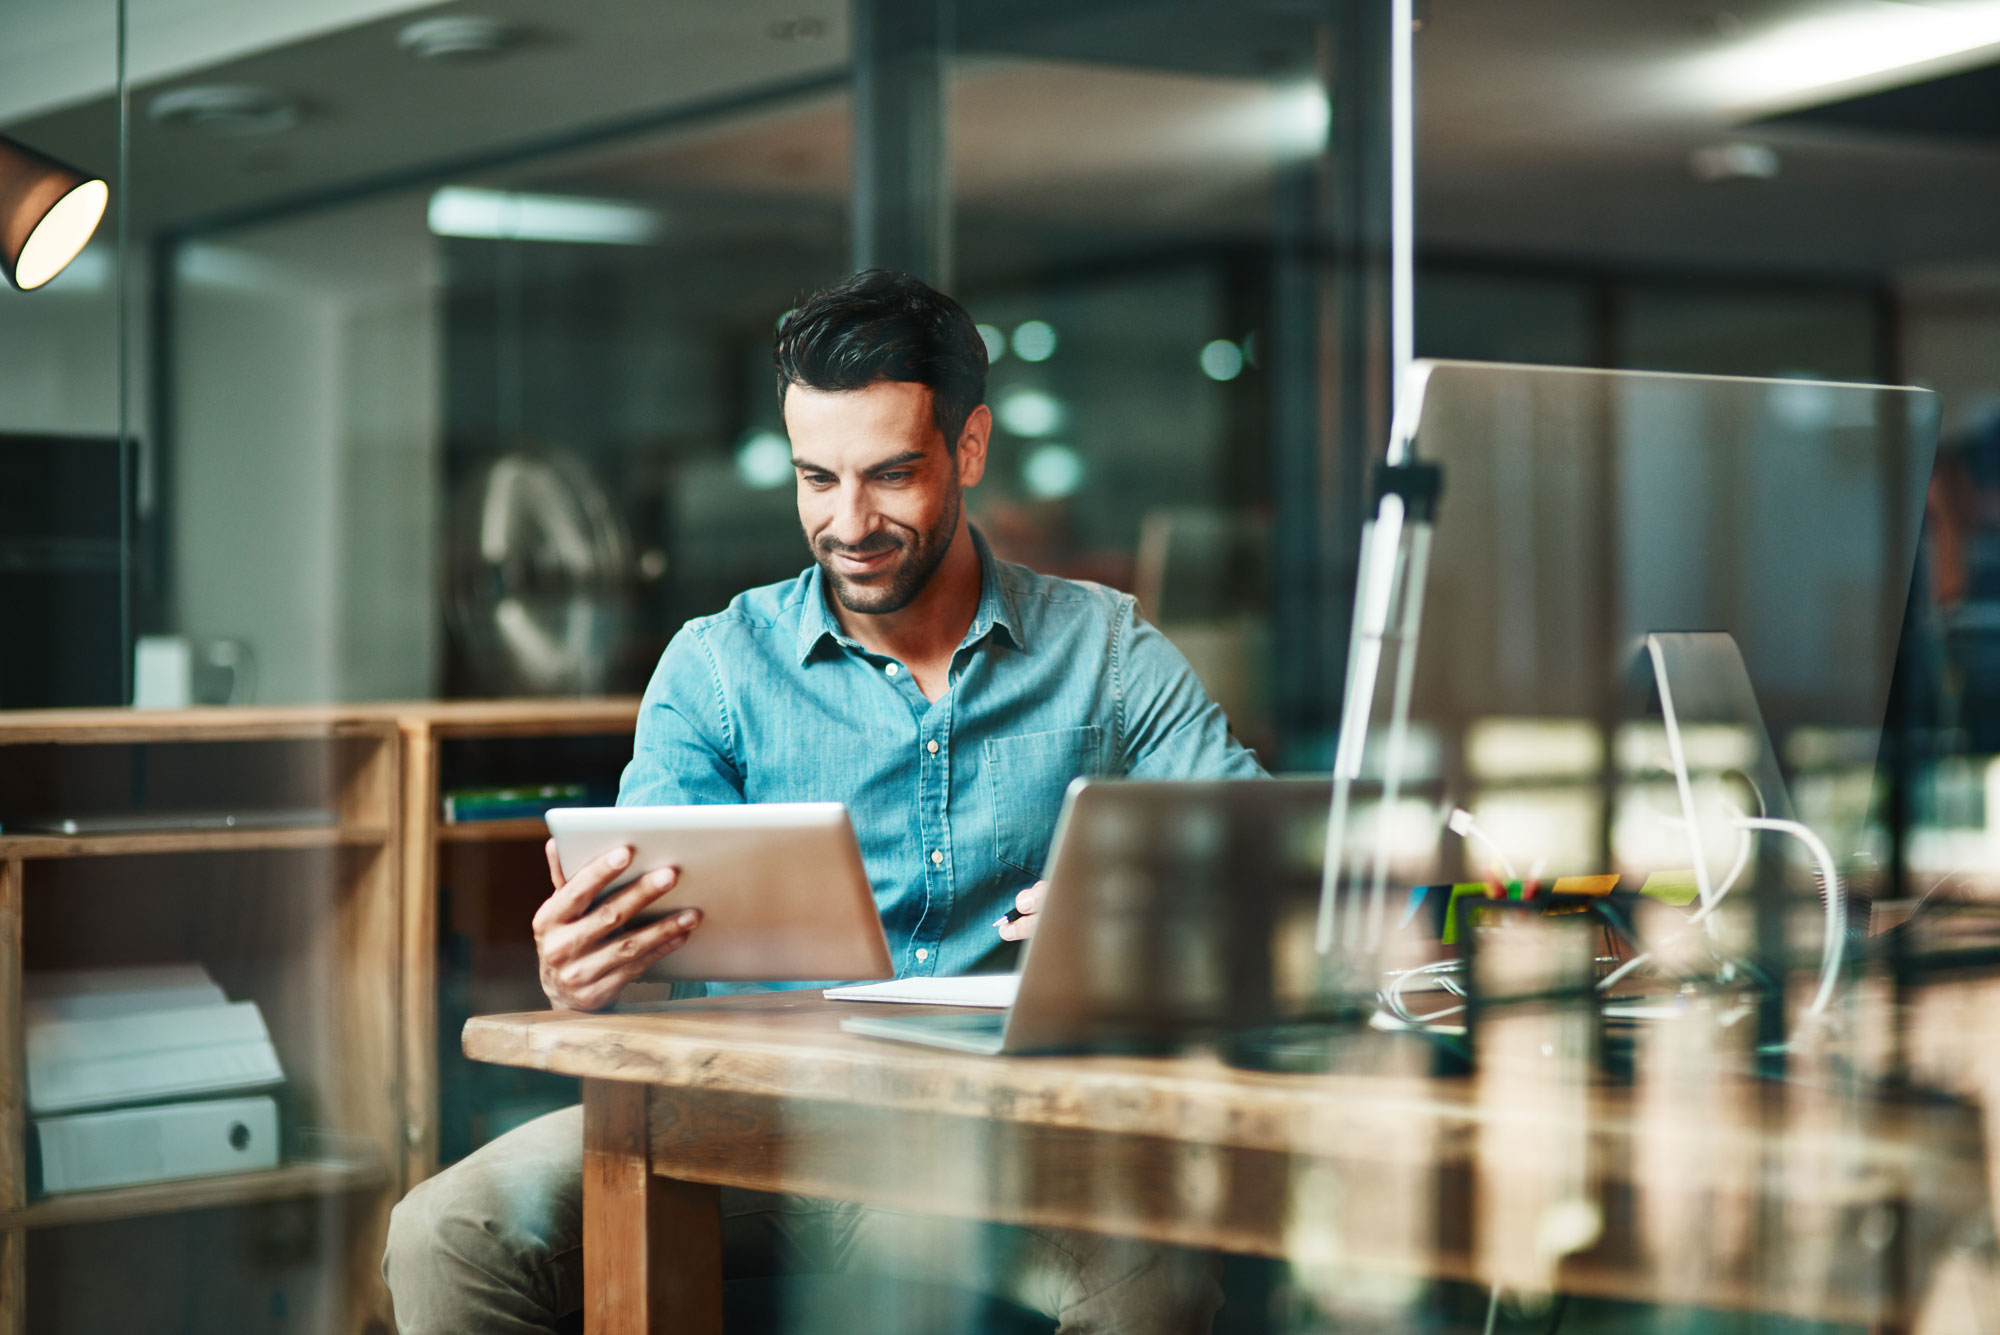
(895, 461)
(892, 462)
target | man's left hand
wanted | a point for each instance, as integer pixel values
(1028, 904)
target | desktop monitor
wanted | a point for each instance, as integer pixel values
(1508, 724)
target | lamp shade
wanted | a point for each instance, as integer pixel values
(47, 212)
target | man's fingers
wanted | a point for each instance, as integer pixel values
(562, 942)
(571, 898)
(556, 877)
(1030, 900)
(607, 989)
(621, 908)
(632, 952)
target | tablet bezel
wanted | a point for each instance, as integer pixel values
(782, 889)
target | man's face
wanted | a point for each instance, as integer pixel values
(879, 494)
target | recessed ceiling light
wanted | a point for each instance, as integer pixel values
(1860, 44)
(232, 110)
(459, 38)
(499, 215)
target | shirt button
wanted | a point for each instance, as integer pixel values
(937, 856)
(922, 954)
(931, 746)
(891, 669)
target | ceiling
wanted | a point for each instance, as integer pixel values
(1549, 130)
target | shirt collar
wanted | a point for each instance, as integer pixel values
(996, 608)
(996, 600)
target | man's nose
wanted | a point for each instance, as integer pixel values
(853, 517)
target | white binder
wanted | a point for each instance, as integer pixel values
(126, 1146)
(95, 1038)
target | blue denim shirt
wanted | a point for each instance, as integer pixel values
(953, 800)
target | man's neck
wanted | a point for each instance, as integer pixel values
(924, 635)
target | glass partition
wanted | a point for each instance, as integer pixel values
(1628, 626)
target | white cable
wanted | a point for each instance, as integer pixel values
(1832, 949)
(1728, 882)
(1836, 903)
(1465, 827)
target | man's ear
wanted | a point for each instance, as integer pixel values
(972, 446)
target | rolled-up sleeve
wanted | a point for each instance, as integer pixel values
(684, 752)
(1169, 725)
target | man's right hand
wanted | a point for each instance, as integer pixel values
(585, 962)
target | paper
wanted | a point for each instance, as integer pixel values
(993, 991)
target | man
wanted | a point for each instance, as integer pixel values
(948, 699)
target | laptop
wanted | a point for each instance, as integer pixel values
(1172, 908)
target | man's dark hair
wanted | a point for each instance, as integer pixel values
(881, 325)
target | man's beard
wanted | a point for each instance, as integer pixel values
(921, 559)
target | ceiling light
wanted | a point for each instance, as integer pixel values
(764, 459)
(47, 212)
(1051, 472)
(995, 341)
(1301, 115)
(1035, 341)
(231, 110)
(1734, 162)
(458, 39)
(499, 215)
(1856, 44)
(1221, 360)
(1031, 413)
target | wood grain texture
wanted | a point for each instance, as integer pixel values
(192, 841)
(652, 1246)
(1416, 1176)
(13, 1282)
(789, 1044)
(290, 1181)
(218, 723)
(519, 718)
(418, 747)
(13, 1066)
(367, 1075)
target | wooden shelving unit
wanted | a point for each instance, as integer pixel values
(496, 867)
(28, 846)
(331, 925)
(286, 1182)
(304, 919)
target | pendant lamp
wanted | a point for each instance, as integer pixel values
(47, 212)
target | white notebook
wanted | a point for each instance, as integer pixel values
(992, 991)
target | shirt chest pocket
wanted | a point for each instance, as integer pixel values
(1025, 778)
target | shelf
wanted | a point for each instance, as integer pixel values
(594, 716)
(221, 723)
(318, 1178)
(493, 831)
(189, 841)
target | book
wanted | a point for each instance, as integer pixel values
(476, 804)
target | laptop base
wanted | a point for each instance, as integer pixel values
(980, 1032)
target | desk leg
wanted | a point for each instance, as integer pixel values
(652, 1246)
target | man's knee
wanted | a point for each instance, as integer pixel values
(497, 1231)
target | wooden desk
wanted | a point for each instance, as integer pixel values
(1743, 1195)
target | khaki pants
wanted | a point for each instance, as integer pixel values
(494, 1245)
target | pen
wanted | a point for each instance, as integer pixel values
(1011, 915)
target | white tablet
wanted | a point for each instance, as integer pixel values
(780, 885)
